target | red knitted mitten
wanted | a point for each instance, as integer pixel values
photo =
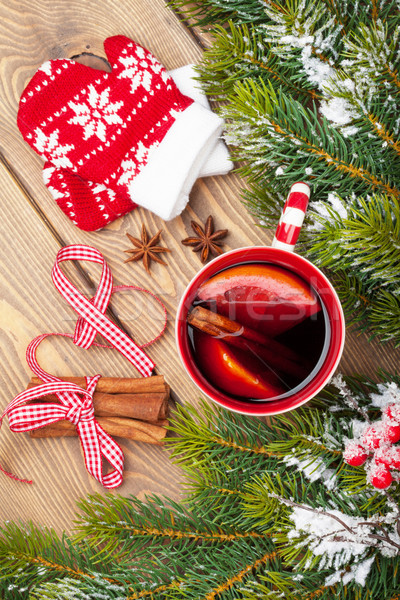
(131, 131)
(75, 196)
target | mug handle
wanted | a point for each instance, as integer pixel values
(292, 217)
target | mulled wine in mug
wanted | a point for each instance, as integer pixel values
(261, 330)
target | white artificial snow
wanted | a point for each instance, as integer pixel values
(337, 110)
(361, 570)
(308, 170)
(326, 536)
(297, 42)
(321, 209)
(349, 131)
(357, 427)
(317, 71)
(358, 572)
(389, 550)
(313, 470)
(338, 205)
(348, 84)
(279, 171)
(388, 393)
(348, 398)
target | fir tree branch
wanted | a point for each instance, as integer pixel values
(172, 534)
(365, 235)
(381, 131)
(374, 52)
(109, 526)
(152, 592)
(287, 556)
(231, 581)
(227, 439)
(303, 433)
(374, 10)
(229, 492)
(238, 52)
(205, 12)
(280, 122)
(321, 590)
(242, 448)
(340, 16)
(373, 222)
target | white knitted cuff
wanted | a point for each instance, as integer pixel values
(163, 185)
(219, 161)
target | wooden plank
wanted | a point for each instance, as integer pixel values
(66, 30)
(56, 465)
(33, 228)
(43, 31)
(30, 305)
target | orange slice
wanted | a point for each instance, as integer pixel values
(233, 370)
(260, 296)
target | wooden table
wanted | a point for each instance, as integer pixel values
(33, 229)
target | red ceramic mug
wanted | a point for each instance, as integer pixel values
(281, 255)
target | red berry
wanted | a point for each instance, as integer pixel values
(384, 455)
(391, 431)
(395, 463)
(380, 476)
(393, 412)
(372, 437)
(389, 456)
(354, 455)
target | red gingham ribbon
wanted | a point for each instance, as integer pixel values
(76, 403)
(292, 217)
(91, 312)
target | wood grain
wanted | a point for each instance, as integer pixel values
(56, 466)
(33, 229)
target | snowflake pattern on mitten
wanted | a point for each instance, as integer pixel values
(117, 139)
(101, 127)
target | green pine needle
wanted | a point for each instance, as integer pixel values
(311, 91)
(253, 526)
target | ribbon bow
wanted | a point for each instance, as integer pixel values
(91, 312)
(76, 403)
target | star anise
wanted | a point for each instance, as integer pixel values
(207, 240)
(146, 249)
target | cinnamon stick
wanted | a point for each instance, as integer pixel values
(217, 325)
(276, 355)
(150, 407)
(119, 385)
(116, 426)
(280, 363)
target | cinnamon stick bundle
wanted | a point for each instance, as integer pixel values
(137, 409)
(129, 429)
(151, 405)
(272, 352)
(119, 385)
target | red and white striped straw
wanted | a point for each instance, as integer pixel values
(292, 217)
